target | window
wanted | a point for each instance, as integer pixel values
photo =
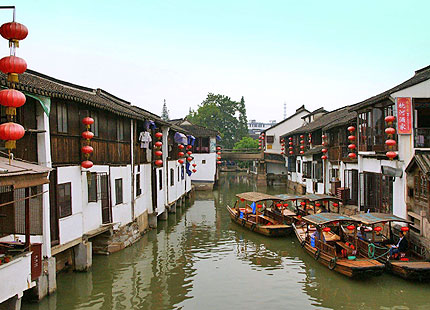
(318, 171)
(292, 163)
(64, 199)
(421, 187)
(204, 161)
(92, 186)
(334, 173)
(298, 166)
(62, 117)
(270, 139)
(376, 192)
(160, 179)
(307, 169)
(138, 187)
(95, 126)
(120, 130)
(178, 175)
(183, 173)
(118, 191)
(172, 177)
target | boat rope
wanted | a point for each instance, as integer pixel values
(317, 254)
(332, 263)
(372, 249)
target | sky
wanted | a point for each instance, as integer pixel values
(314, 53)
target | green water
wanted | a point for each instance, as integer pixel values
(198, 259)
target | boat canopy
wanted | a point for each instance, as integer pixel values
(373, 218)
(290, 197)
(256, 196)
(316, 197)
(324, 218)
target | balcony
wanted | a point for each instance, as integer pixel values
(422, 137)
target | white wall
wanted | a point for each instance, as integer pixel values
(16, 277)
(143, 202)
(121, 212)
(276, 168)
(161, 200)
(205, 172)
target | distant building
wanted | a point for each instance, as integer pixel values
(255, 128)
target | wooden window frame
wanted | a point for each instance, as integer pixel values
(62, 118)
(92, 180)
(172, 177)
(160, 179)
(119, 196)
(64, 204)
(270, 139)
(138, 185)
(95, 126)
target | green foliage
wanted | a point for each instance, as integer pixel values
(220, 113)
(246, 143)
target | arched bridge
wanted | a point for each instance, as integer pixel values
(242, 154)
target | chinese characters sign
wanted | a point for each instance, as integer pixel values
(404, 115)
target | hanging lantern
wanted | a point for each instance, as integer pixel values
(324, 151)
(194, 170)
(87, 135)
(189, 159)
(158, 144)
(12, 66)
(302, 152)
(181, 147)
(352, 146)
(189, 147)
(159, 162)
(11, 132)
(290, 143)
(14, 32)
(318, 204)
(194, 165)
(181, 161)
(158, 135)
(259, 144)
(390, 142)
(158, 153)
(259, 147)
(291, 152)
(310, 135)
(189, 153)
(377, 228)
(181, 154)
(323, 136)
(279, 205)
(390, 119)
(302, 141)
(310, 141)
(303, 203)
(326, 229)
(285, 204)
(218, 148)
(335, 204)
(218, 162)
(262, 134)
(302, 147)
(88, 121)
(324, 157)
(290, 138)
(11, 99)
(351, 129)
(351, 138)
(219, 157)
(87, 149)
(404, 228)
(87, 164)
(350, 227)
(218, 153)
(390, 131)
(352, 155)
(391, 155)
(302, 136)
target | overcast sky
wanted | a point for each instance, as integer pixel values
(317, 53)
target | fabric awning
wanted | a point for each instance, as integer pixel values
(180, 138)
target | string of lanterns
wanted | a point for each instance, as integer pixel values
(158, 162)
(11, 98)
(390, 142)
(87, 149)
(324, 150)
(290, 143)
(218, 157)
(283, 146)
(302, 145)
(352, 145)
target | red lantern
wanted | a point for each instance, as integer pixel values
(405, 228)
(279, 205)
(291, 152)
(158, 135)
(259, 147)
(390, 142)
(88, 121)
(324, 157)
(189, 159)
(87, 164)
(158, 144)
(290, 138)
(181, 161)
(290, 143)
(352, 146)
(318, 204)
(12, 66)
(299, 216)
(158, 153)
(88, 135)
(391, 155)
(302, 152)
(310, 141)
(323, 136)
(11, 131)
(290, 148)
(302, 147)
(14, 32)
(218, 148)
(302, 136)
(351, 129)
(324, 151)
(189, 147)
(181, 154)
(377, 228)
(390, 131)
(189, 153)
(335, 204)
(87, 149)
(242, 199)
(218, 162)
(259, 144)
(352, 155)
(390, 118)
(303, 203)
(259, 206)
(194, 165)
(219, 157)
(350, 227)
(12, 98)
(323, 143)
(351, 138)
(181, 147)
(194, 170)
(218, 153)
(326, 229)
(262, 134)
(285, 204)
(159, 162)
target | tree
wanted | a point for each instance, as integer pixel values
(165, 113)
(246, 143)
(220, 113)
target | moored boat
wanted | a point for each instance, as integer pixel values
(250, 212)
(322, 237)
(376, 239)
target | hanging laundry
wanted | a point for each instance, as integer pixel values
(145, 139)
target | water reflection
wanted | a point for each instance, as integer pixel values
(199, 259)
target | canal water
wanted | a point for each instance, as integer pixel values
(198, 259)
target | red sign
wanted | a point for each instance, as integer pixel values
(404, 115)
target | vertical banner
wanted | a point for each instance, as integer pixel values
(404, 115)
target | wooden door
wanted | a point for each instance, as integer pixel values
(55, 232)
(103, 180)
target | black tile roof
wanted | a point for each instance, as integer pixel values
(195, 130)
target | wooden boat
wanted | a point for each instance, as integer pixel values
(259, 221)
(377, 237)
(322, 237)
(311, 203)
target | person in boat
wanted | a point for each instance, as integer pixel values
(401, 246)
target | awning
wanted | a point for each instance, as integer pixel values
(373, 218)
(422, 160)
(325, 218)
(180, 138)
(255, 196)
(20, 174)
